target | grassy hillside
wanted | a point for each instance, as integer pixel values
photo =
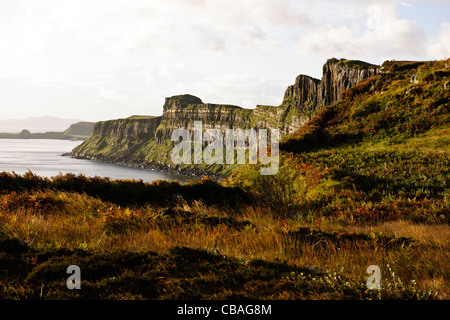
(365, 182)
(406, 100)
(378, 159)
(181, 242)
(381, 153)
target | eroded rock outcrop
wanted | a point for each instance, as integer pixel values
(146, 142)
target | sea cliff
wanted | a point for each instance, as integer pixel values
(146, 141)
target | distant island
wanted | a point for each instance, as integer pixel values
(77, 131)
(37, 124)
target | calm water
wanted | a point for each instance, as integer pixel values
(44, 158)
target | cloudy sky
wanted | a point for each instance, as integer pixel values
(104, 59)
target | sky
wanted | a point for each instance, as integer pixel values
(104, 59)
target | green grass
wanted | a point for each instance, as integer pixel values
(140, 117)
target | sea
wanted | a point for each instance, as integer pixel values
(44, 157)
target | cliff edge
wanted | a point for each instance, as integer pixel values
(146, 141)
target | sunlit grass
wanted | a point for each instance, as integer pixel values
(80, 224)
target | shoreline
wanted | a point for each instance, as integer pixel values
(186, 173)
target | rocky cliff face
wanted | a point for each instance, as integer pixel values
(307, 94)
(130, 128)
(181, 112)
(339, 75)
(303, 90)
(146, 142)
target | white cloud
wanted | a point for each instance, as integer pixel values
(124, 26)
(383, 35)
(405, 4)
(111, 94)
(439, 47)
(130, 54)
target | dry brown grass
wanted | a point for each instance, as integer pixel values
(80, 224)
